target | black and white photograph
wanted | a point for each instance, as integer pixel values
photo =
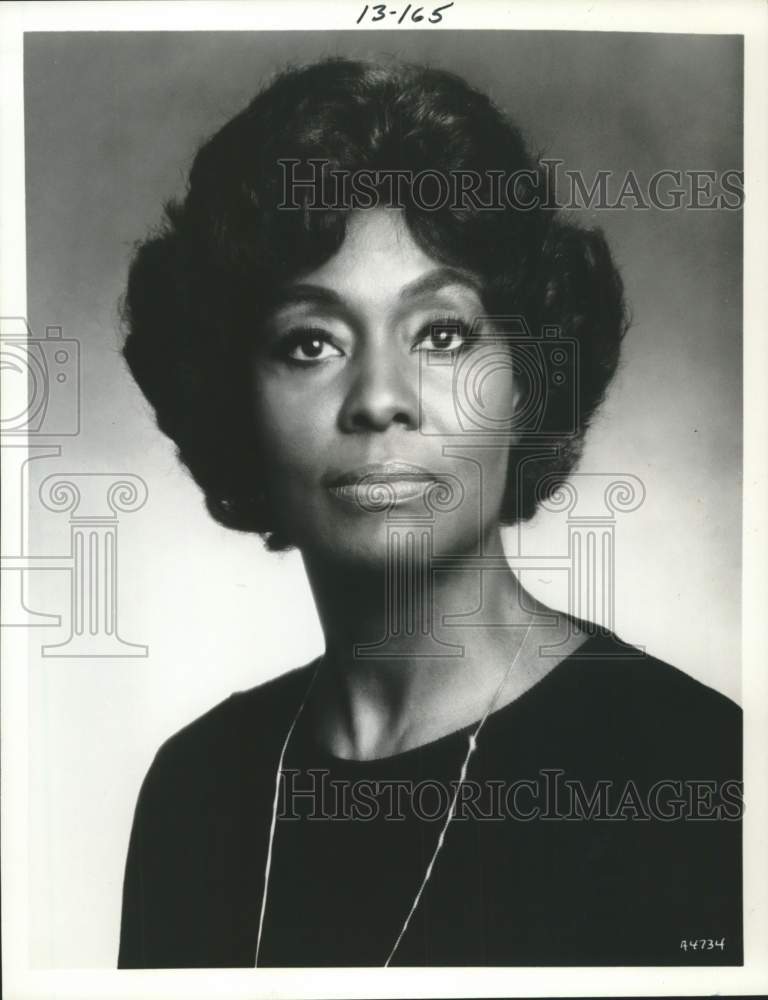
(383, 500)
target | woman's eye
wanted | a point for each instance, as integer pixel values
(443, 336)
(310, 346)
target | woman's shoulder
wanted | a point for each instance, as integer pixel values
(244, 725)
(611, 690)
(621, 671)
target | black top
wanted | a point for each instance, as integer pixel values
(599, 825)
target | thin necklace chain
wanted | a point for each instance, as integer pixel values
(472, 746)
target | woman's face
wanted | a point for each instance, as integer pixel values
(383, 404)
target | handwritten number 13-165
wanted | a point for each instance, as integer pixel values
(381, 10)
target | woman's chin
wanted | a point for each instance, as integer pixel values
(365, 544)
(376, 542)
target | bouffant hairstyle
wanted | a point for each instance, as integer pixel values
(198, 286)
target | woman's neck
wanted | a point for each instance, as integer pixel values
(400, 670)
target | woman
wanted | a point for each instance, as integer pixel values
(343, 360)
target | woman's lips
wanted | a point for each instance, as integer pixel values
(379, 486)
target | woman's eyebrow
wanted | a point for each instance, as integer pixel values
(298, 294)
(438, 279)
(306, 293)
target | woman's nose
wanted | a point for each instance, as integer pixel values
(383, 390)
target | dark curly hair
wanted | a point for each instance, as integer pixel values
(197, 288)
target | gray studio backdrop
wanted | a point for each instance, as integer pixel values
(111, 123)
